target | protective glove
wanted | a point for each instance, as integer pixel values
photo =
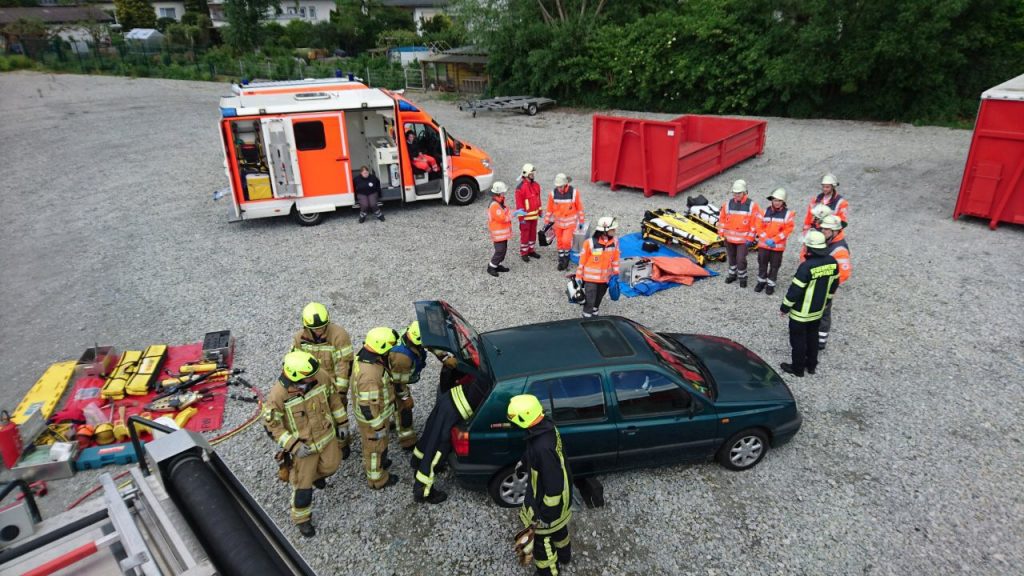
(519, 213)
(303, 450)
(769, 243)
(450, 362)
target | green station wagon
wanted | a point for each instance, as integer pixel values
(623, 397)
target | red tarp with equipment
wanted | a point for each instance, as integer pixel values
(679, 270)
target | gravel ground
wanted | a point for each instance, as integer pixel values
(910, 455)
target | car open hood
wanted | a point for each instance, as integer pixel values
(739, 374)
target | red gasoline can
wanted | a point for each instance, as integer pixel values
(10, 441)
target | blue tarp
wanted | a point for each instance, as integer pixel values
(631, 246)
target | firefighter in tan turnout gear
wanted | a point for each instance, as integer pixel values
(406, 361)
(301, 413)
(332, 347)
(374, 405)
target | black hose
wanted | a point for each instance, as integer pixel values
(219, 524)
(65, 530)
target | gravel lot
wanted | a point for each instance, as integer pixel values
(909, 461)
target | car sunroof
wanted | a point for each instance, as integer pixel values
(607, 338)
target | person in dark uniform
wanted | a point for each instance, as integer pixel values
(368, 194)
(810, 292)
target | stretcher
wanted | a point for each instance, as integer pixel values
(693, 233)
(45, 393)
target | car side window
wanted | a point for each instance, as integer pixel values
(647, 392)
(571, 398)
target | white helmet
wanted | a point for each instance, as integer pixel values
(820, 211)
(528, 169)
(499, 187)
(778, 194)
(561, 179)
(831, 222)
(606, 223)
(829, 179)
(739, 186)
(815, 240)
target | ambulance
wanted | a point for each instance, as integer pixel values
(293, 148)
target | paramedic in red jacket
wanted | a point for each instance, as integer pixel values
(528, 200)
(774, 228)
(599, 261)
(737, 221)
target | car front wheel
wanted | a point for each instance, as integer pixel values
(508, 487)
(311, 219)
(464, 191)
(744, 450)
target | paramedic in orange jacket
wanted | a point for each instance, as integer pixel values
(835, 235)
(599, 261)
(737, 222)
(829, 197)
(528, 200)
(565, 209)
(499, 222)
(774, 227)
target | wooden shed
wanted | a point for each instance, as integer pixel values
(462, 69)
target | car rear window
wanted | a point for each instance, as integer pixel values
(607, 339)
(571, 398)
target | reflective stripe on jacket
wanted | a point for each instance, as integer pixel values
(837, 203)
(737, 220)
(565, 207)
(813, 285)
(499, 222)
(599, 259)
(292, 417)
(776, 225)
(838, 249)
(373, 401)
(548, 497)
(528, 199)
(333, 350)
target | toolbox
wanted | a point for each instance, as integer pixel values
(100, 456)
(96, 362)
(37, 465)
(218, 347)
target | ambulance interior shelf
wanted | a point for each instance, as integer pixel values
(252, 159)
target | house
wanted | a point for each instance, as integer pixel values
(312, 11)
(162, 8)
(462, 69)
(63, 21)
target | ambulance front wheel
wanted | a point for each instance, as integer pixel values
(464, 191)
(311, 219)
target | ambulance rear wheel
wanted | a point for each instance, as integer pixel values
(464, 191)
(311, 219)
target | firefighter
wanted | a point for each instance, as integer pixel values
(299, 415)
(374, 405)
(406, 361)
(499, 223)
(528, 200)
(548, 499)
(455, 405)
(736, 224)
(818, 213)
(812, 288)
(332, 347)
(773, 230)
(829, 197)
(599, 261)
(835, 235)
(565, 210)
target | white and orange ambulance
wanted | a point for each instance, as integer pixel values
(293, 148)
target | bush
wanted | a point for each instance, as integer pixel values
(15, 62)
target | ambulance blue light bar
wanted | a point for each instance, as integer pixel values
(228, 112)
(406, 106)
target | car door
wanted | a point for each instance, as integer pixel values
(660, 421)
(577, 405)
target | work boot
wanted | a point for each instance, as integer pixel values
(307, 529)
(362, 218)
(821, 346)
(492, 271)
(788, 369)
(730, 278)
(387, 463)
(502, 269)
(533, 255)
(563, 262)
(743, 282)
(392, 480)
(760, 286)
(812, 369)
(435, 497)
(320, 484)
(346, 451)
(525, 258)
(380, 216)
(770, 289)
(565, 556)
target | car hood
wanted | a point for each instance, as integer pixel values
(739, 374)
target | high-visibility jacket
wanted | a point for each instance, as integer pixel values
(292, 417)
(499, 221)
(565, 207)
(374, 403)
(548, 497)
(737, 221)
(528, 199)
(837, 203)
(333, 350)
(838, 249)
(775, 225)
(599, 259)
(812, 288)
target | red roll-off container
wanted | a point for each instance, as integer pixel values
(993, 183)
(670, 156)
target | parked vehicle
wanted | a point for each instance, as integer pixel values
(622, 396)
(293, 148)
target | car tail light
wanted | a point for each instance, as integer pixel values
(460, 441)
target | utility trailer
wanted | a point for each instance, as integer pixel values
(527, 104)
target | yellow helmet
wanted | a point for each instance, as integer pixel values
(380, 339)
(525, 410)
(299, 365)
(413, 332)
(314, 315)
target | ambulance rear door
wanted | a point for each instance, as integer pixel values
(446, 163)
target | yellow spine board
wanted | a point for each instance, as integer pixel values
(113, 389)
(139, 382)
(45, 393)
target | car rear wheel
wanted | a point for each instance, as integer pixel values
(744, 450)
(311, 219)
(508, 487)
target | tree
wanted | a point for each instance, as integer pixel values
(244, 19)
(134, 14)
(197, 7)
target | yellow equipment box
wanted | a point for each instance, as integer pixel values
(258, 186)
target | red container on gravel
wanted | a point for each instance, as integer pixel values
(670, 156)
(10, 441)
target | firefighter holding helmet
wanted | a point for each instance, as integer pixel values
(374, 405)
(565, 211)
(298, 414)
(332, 347)
(547, 504)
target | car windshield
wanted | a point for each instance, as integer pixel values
(678, 359)
(467, 338)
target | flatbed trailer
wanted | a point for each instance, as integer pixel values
(526, 104)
